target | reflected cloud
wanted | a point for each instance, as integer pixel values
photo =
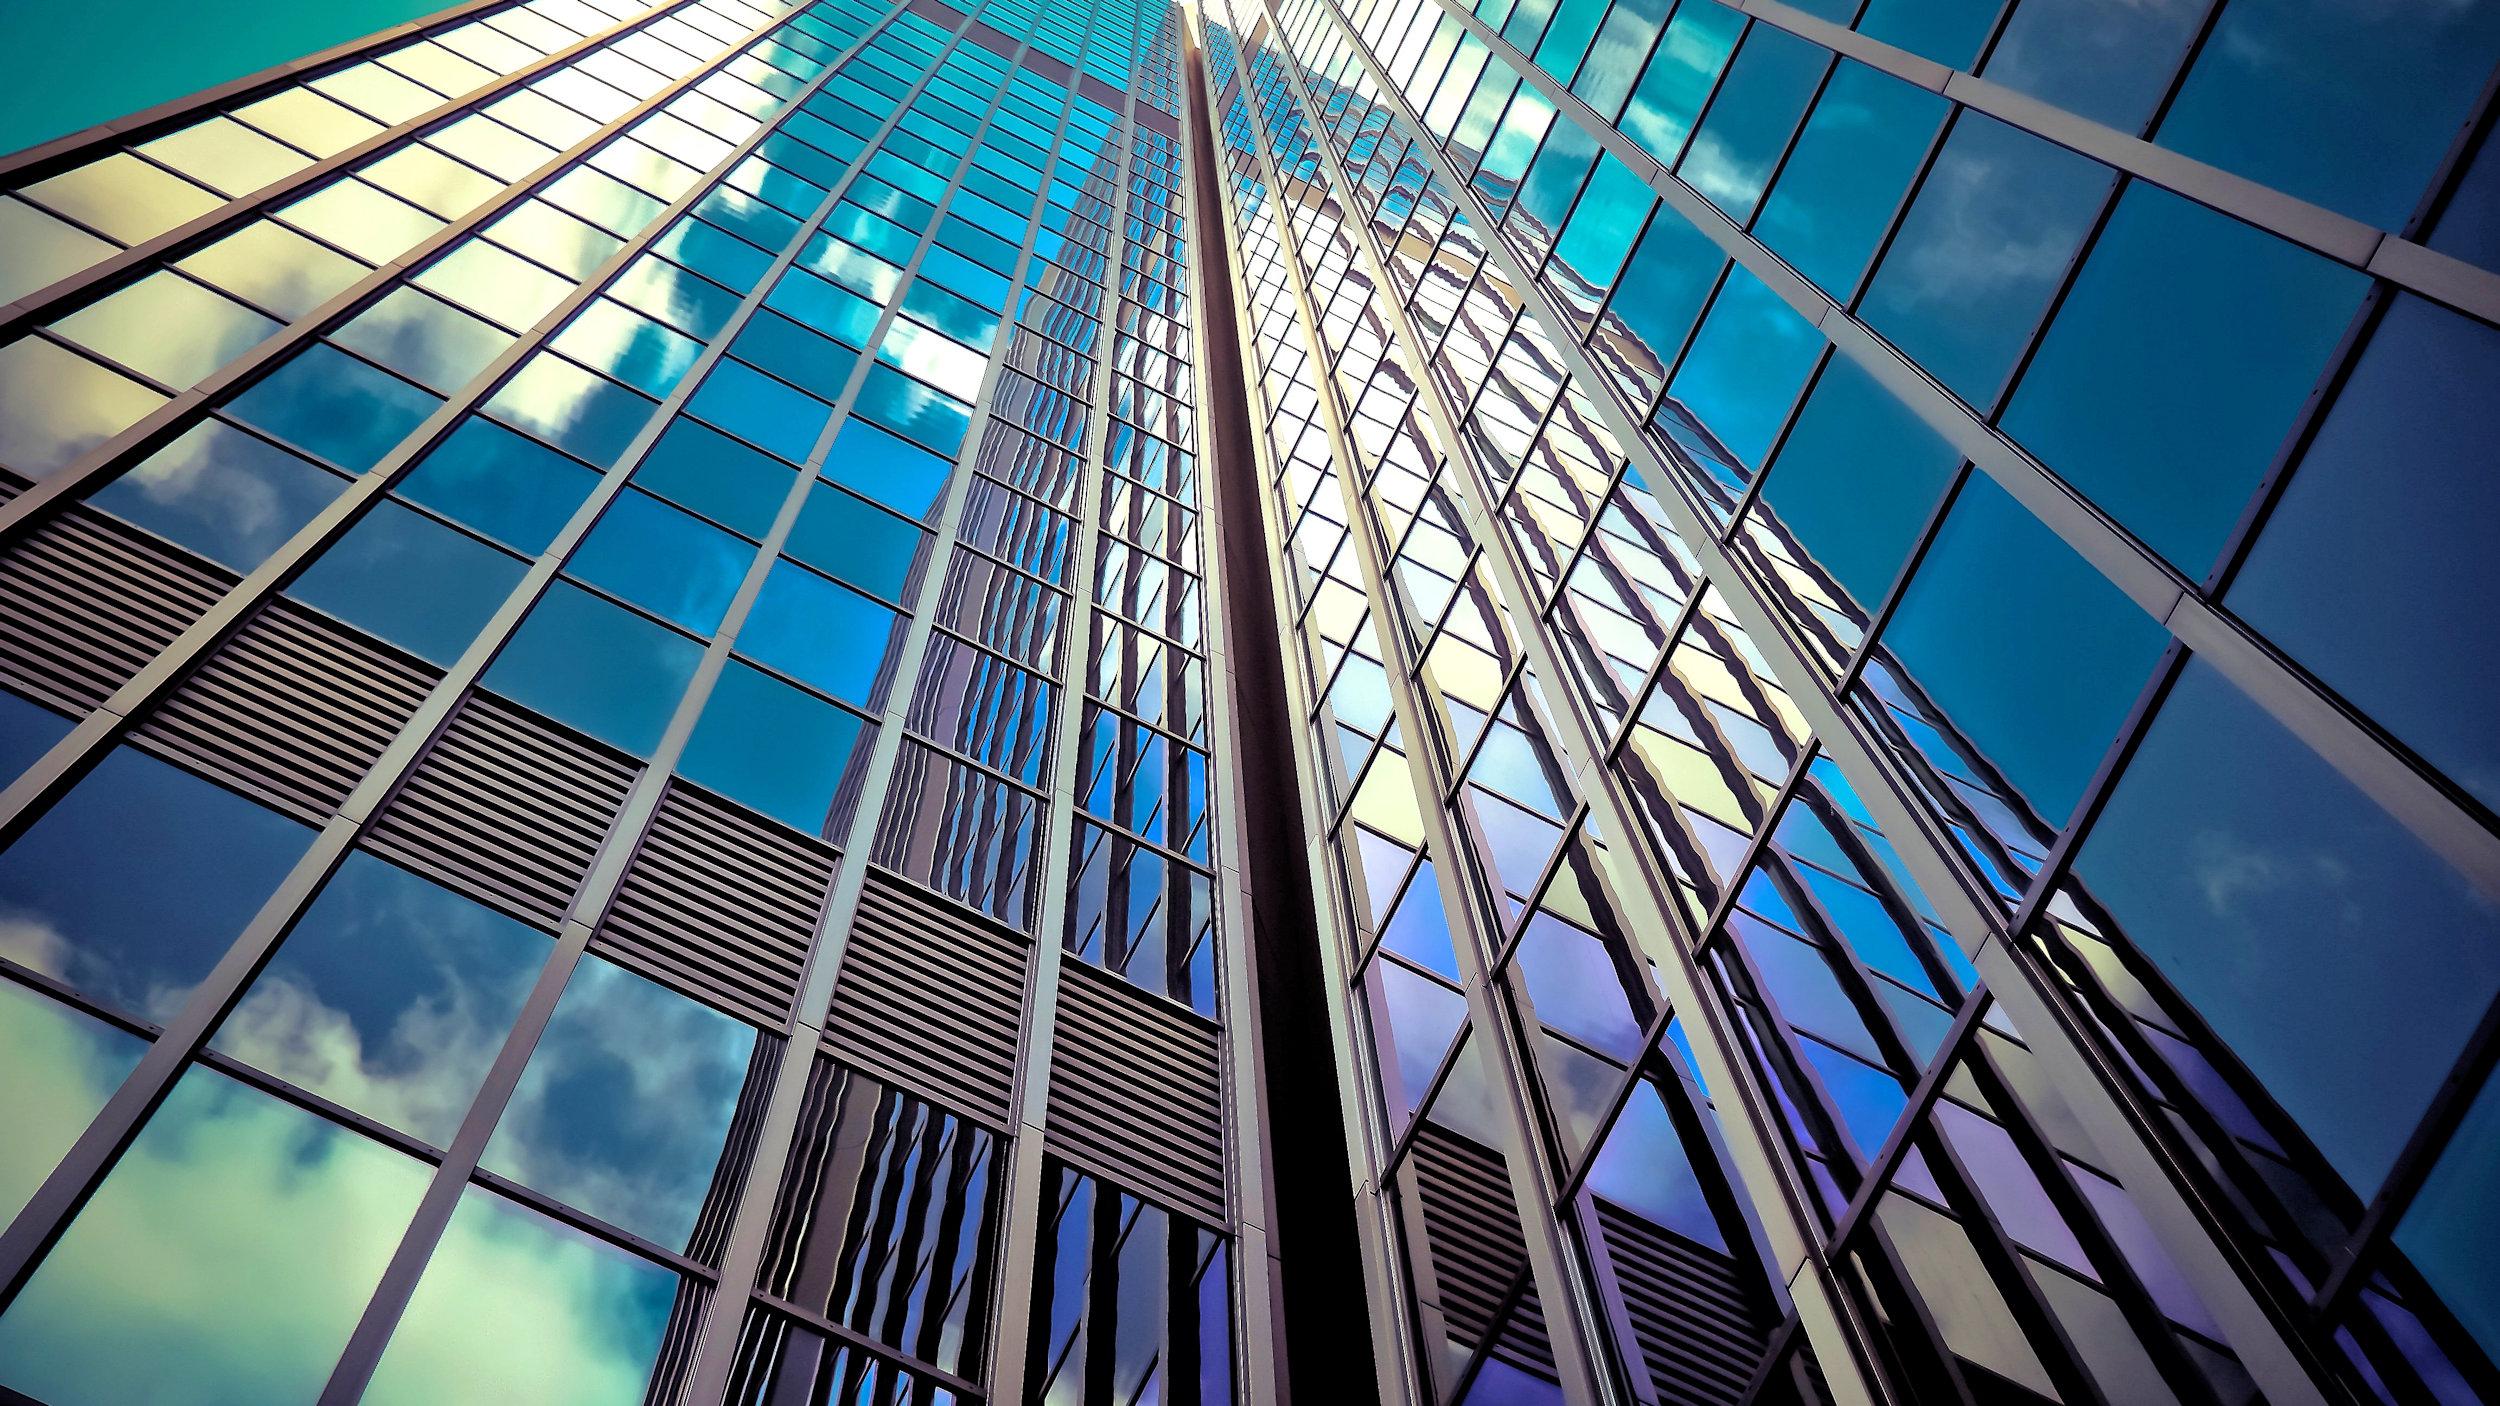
(62, 1065)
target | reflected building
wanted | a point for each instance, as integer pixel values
(955, 701)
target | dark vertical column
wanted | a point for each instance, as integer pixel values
(1327, 1323)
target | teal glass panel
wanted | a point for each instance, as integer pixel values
(760, 410)
(2033, 656)
(2350, 106)
(1948, 31)
(821, 633)
(2110, 66)
(1663, 288)
(812, 363)
(2210, 334)
(2398, 476)
(515, 1306)
(27, 731)
(410, 580)
(1855, 160)
(1751, 118)
(855, 541)
(606, 336)
(390, 996)
(225, 1258)
(779, 749)
(733, 484)
(501, 482)
(1746, 365)
(330, 404)
(717, 255)
(624, 1108)
(2300, 920)
(668, 562)
(1856, 479)
(63, 1064)
(134, 883)
(227, 495)
(587, 416)
(1981, 252)
(907, 407)
(596, 666)
(1678, 80)
(2455, 1219)
(890, 469)
(1598, 237)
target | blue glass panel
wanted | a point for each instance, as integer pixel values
(329, 403)
(855, 541)
(2399, 476)
(1758, 103)
(424, 338)
(2351, 106)
(1746, 365)
(27, 731)
(1979, 254)
(761, 410)
(588, 416)
(2210, 334)
(1663, 288)
(2300, 920)
(2468, 227)
(390, 996)
(516, 1306)
(625, 1104)
(225, 1258)
(820, 633)
(63, 1064)
(1948, 31)
(728, 482)
(2455, 1220)
(1644, 1168)
(504, 484)
(1838, 190)
(776, 748)
(596, 666)
(1679, 77)
(223, 493)
(795, 354)
(717, 255)
(2109, 64)
(900, 403)
(2033, 656)
(1856, 479)
(411, 580)
(668, 562)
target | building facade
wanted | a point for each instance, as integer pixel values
(730, 700)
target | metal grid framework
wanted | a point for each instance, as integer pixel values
(1641, 535)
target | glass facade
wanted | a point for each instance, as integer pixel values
(929, 701)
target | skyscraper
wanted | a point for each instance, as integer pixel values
(722, 700)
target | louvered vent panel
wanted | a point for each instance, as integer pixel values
(10, 485)
(1479, 1252)
(508, 807)
(719, 904)
(931, 996)
(1135, 1093)
(85, 603)
(1698, 1329)
(294, 708)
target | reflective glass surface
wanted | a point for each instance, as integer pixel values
(363, 578)
(63, 1065)
(230, 497)
(597, 666)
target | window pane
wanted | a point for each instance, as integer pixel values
(777, 748)
(855, 541)
(225, 1258)
(424, 338)
(1838, 189)
(1980, 252)
(167, 327)
(390, 996)
(820, 633)
(2109, 65)
(2302, 922)
(229, 496)
(596, 666)
(760, 410)
(666, 561)
(55, 405)
(698, 467)
(890, 469)
(584, 415)
(2211, 334)
(2031, 654)
(1856, 480)
(625, 1105)
(500, 482)
(133, 884)
(515, 1306)
(339, 408)
(1747, 364)
(1747, 127)
(63, 1064)
(27, 731)
(411, 580)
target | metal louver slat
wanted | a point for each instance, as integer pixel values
(1478, 1248)
(720, 905)
(931, 996)
(86, 602)
(294, 708)
(1137, 1094)
(507, 807)
(1700, 1333)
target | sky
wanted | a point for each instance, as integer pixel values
(68, 64)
